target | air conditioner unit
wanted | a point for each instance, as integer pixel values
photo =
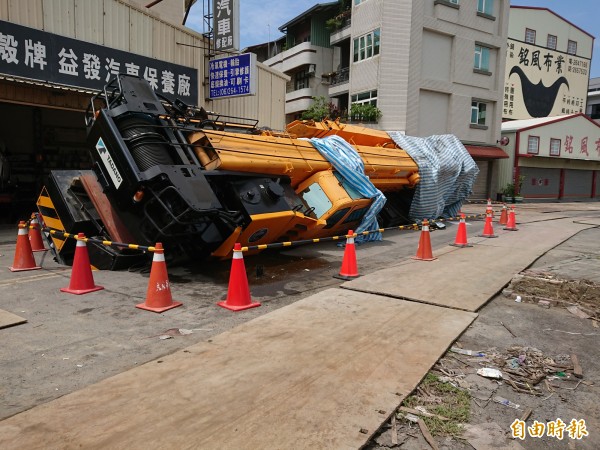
(311, 68)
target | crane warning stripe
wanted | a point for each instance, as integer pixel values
(50, 217)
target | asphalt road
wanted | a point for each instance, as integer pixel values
(72, 341)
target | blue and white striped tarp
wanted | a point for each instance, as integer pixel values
(447, 173)
(348, 163)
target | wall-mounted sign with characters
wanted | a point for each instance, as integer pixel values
(541, 82)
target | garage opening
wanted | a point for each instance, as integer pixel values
(33, 141)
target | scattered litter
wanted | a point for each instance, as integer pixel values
(462, 351)
(544, 304)
(577, 370)
(489, 372)
(185, 331)
(526, 414)
(577, 312)
(420, 411)
(171, 332)
(79, 365)
(518, 299)
(64, 359)
(506, 402)
(411, 417)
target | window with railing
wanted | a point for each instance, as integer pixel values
(301, 79)
(551, 42)
(341, 76)
(572, 47)
(529, 36)
(364, 107)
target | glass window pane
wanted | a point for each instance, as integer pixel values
(485, 58)
(376, 37)
(477, 63)
(355, 50)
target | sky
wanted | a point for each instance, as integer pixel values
(260, 19)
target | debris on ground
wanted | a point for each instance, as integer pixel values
(580, 297)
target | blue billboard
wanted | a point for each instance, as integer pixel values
(232, 76)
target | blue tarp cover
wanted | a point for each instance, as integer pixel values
(348, 163)
(447, 173)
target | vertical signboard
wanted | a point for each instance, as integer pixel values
(226, 25)
(232, 76)
(541, 82)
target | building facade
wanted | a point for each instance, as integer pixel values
(56, 54)
(424, 66)
(547, 65)
(304, 54)
(553, 158)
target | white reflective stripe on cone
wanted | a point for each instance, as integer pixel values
(159, 257)
(350, 240)
(237, 254)
(23, 231)
(426, 228)
(80, 243)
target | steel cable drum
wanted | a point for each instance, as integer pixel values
(147, 145)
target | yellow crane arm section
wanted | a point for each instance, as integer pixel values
(388, 168)
(354, 134)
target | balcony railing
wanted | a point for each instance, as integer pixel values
(341, 76)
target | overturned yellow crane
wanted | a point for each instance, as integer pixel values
(199, 182)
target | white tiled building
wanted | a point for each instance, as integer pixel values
(430, 66)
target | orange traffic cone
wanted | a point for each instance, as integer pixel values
(238, 293)
(24, 259)
(349, 269)
(424, 252)
(489, 207)
(488, 228)
(35, 236)
(503, 215)
(158, 295)
(461, 234)
(511, 225)
(82, 280)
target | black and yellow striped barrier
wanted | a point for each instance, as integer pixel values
(144, 248)
(414, 226)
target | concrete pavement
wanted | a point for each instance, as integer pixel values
(536, 218)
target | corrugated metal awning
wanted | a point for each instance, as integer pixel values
(480, 151)
(45, 84)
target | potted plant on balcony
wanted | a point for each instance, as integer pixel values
(364, 112)
(321, 109)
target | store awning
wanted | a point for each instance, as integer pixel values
(484, 152)
(44, 84)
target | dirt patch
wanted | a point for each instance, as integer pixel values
(535, 286)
